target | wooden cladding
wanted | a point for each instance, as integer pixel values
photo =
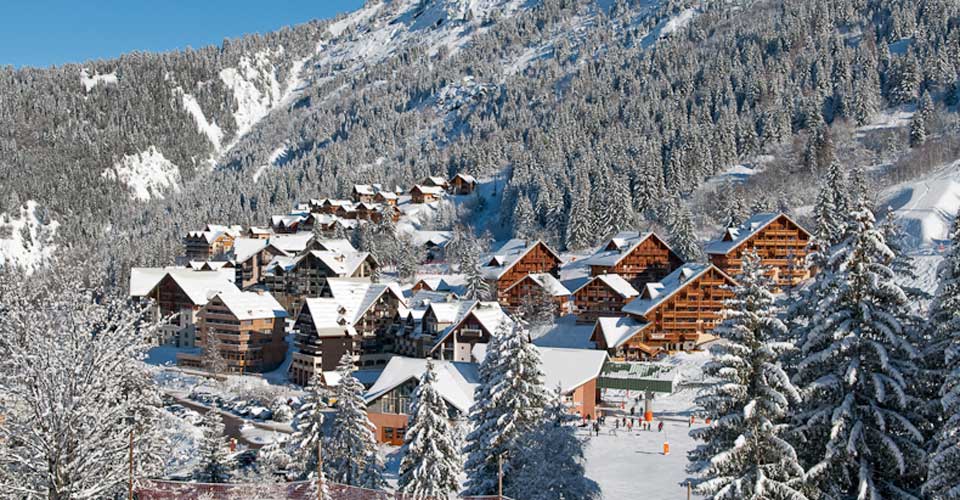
(782, 245)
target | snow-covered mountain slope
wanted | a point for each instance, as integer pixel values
(148, 174)
(928, 205)
(26, 239)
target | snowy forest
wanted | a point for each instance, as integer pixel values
(582, 119)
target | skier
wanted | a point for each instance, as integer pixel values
(660, 427)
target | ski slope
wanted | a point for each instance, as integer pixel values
(927, 206)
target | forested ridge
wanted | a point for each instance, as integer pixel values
(601, 116)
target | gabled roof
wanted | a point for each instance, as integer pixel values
(197, 285)
(616, 283)
(436, 180)
(733, 237)
(291, 244)
(358, 296)
(341, 264)
(330, 318)
(617, 331)
(209, 265)
(619, 247)
(512, 251)
(453, 311)
(364, 189)
(489, 314)
(655, 293)
(245, 248)
(208, 236)
(427, 189)
(547, 282)
(251, 305)
(335, 245)
(562, 367)
(387, 195)
(466, 178)
(456, 381)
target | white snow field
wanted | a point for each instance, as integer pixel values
(927, 206)
(148, 174)
(25, 241)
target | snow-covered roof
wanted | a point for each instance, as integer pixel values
(336, 245)
(198, 285)
(207, 265)
(363, 189)
(251, 305)
(548, 282)
(489, 314)
(435, 180)
(655, 293)
(208, 236)
(330, 318)
(617, 248)
(456, 381)
(233, 230)
(282, 262)
(356, 297)
(287, 220)
(291, 243)
(561, 367)
(466, 178)
(245, 248)
(453, 311)
(616, 283)
(507, 255)
(258, 230)
(733, 237)
(427, 189)
(435, 238)
(387, 195)
(341, 264)
(616, 331)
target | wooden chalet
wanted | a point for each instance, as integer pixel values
(291, 279)
(476, 323)
(287, 224)
(250, 327)
(363, 193)
(425, 194)
(637, 257)
(780, 243)
(250, 256)
(386, 198)
(178, 294)
(516, 259)
(602, 296)
(259, 233)
(354, 319)
(534, 286)
(347, 211)
(435, 181)
(677, 313)
(214, 241)
(463, 184)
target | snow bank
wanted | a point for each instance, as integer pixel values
(275, 160)
(89, 82)
(148, 174)
(927, 206)
(26, 241)
(678, 22)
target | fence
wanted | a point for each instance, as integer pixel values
(155, 489)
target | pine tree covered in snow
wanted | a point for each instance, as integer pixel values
(73, 388)
(298, 455)
(549, 465)
(213, 465)
(524, 224)
(431, 461)
(212, 357)
(744, 454)
(856, 436)
(684, 236)
(537, 308)
(579, 231)
(943, 474)
(476, 284)
(348, 450)
(507, 404)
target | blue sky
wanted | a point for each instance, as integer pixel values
(52, 32)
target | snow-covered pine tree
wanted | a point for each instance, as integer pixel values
(349, 447)
(371, 476)
(920, 120)
(214, 463)
(301, 448)
(476, 284)
(72, 386)
(744, 454)
(856, 358)
(508, 403)
(537, 308)
(943, 356)
(212, 356)
(579, 234)
(684, 237)
(524, 223)
(431, 462)
(549, 465)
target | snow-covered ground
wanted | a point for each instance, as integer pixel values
(148, 174)
(89, 82)
(26, 241)
(927, 206)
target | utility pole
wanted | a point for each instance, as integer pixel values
(688, 489)
(130, 493)
(319, 468)
(500, 477)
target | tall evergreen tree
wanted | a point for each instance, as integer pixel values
(684, 239)
(431, 461)
(856, 360)
(744, 454)
(579, 232)
(214, 464)
(476, 283)
(351, 442)
(549, 465)
(508, 403)
(943, 472)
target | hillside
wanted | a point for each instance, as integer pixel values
(628, 105)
